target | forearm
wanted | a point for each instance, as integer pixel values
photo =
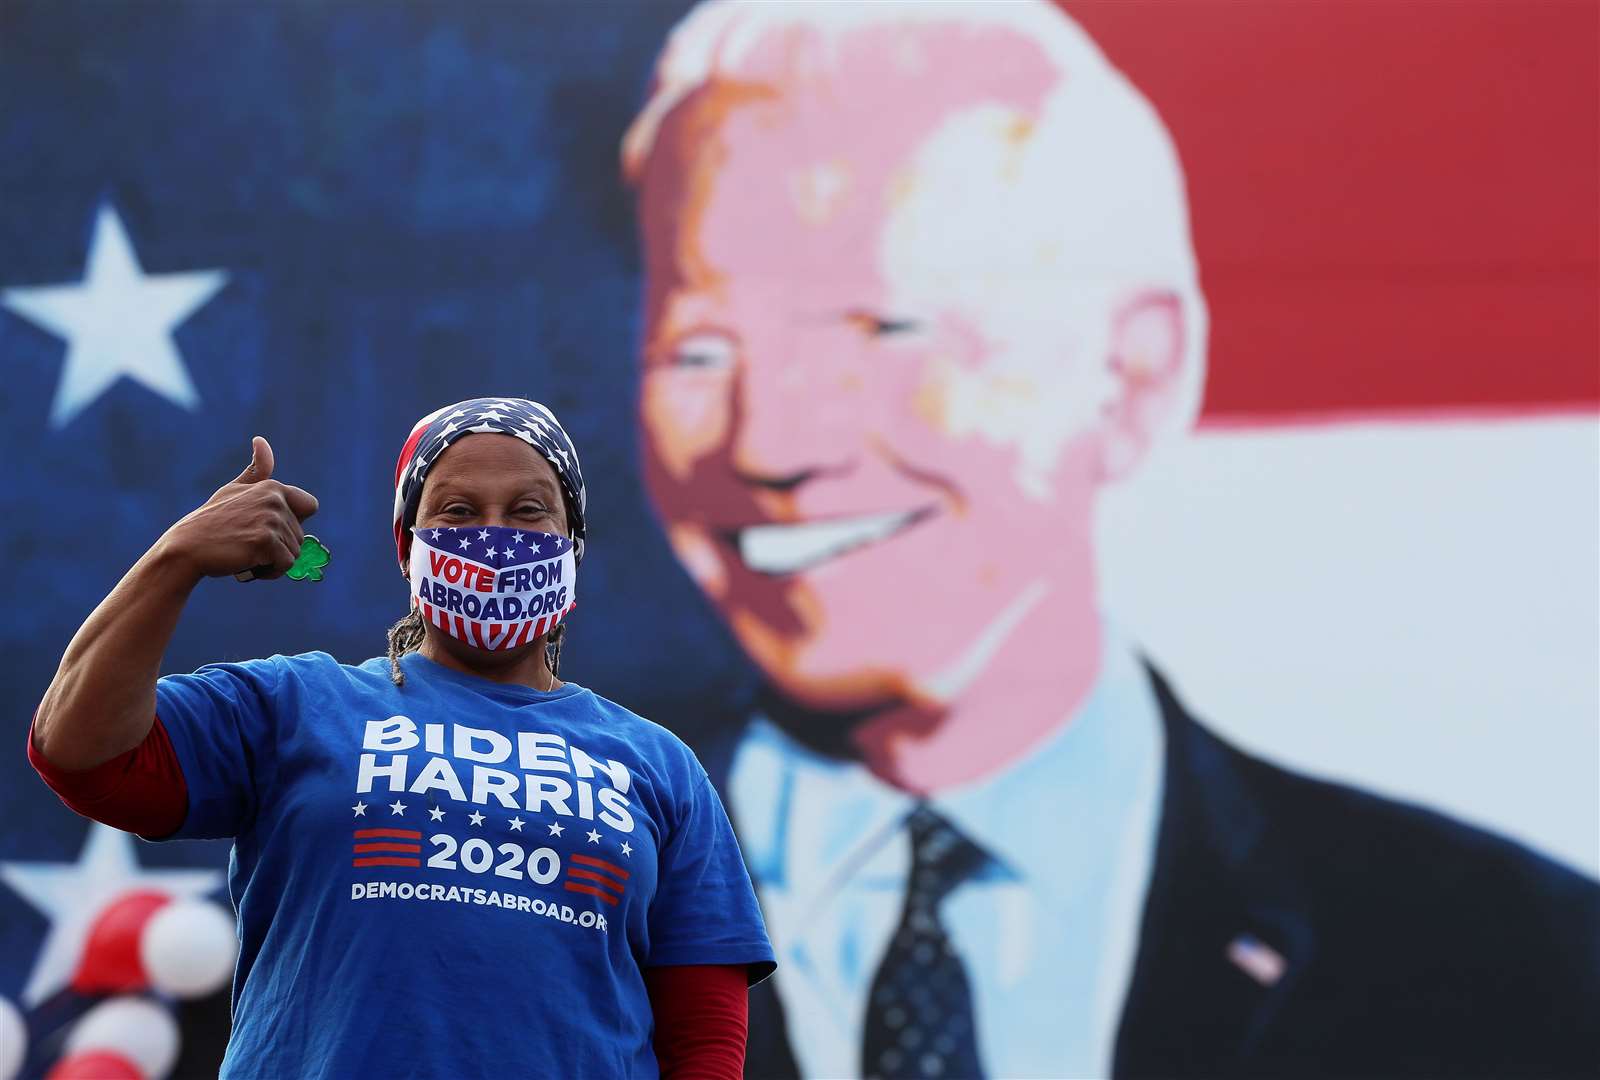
(102, 700)
(701, 1019)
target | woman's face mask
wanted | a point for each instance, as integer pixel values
(489, 586)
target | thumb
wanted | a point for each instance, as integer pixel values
(260, 467)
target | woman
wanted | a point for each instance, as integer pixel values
(446, 862)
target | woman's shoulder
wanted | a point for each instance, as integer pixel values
(305, 668)
(640, 730)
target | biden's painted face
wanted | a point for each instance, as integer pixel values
(872, 445)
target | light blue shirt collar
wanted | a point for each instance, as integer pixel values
(1071, 831)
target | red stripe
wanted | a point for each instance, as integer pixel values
(360, 848)
(407, 451)
(477, 634)
(527, 630)
(587, 860)
(1395, 416)
(402, 537)
(385, 860)
(461, 629)
(573, 886)
(590, 875)
(397, 834)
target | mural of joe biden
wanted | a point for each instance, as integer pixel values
(919, 286)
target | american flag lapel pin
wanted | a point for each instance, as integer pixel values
(1257, 959)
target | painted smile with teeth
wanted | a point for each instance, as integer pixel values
(788, 549)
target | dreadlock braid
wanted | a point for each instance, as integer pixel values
(406, 636)
(552, 650)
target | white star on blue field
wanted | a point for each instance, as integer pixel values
(117, 321)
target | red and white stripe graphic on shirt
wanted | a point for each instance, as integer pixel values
(387, 847)
(595, 877)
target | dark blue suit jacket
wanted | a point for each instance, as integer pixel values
(1415, 945)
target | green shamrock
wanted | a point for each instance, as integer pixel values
(313, 557)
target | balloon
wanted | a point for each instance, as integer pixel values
(13, 1040)
(110, 962)
(188, 948)
(136, 1028)
(95, 1065)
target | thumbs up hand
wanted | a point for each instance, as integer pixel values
(250, 526)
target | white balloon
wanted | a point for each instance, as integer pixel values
(13, 1040)
(139, 1029)
(188, 948)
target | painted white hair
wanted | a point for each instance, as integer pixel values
(1093, 209)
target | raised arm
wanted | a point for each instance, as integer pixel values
(102, 700)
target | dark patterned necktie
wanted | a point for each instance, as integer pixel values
(919, 1012)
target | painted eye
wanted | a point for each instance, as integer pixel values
(880, 326)
(886, 327)
(704, 350)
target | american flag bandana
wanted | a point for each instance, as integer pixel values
(523, 419)
(492, 587)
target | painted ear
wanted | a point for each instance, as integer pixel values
(1146, 363)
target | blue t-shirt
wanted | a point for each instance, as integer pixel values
(456, 878)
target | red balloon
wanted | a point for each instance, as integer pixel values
(95, 1065)
(110, 962)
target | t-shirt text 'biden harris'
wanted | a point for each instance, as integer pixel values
(537, 772)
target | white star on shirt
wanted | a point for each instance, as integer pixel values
(475, 817)
(627, 849)
(517, 824)
(436, 814)
(117, 321)
(594, 837)
(360, 808)
(555, 828)
(72, 895)
(397, 807)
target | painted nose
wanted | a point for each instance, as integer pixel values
(788, 427)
